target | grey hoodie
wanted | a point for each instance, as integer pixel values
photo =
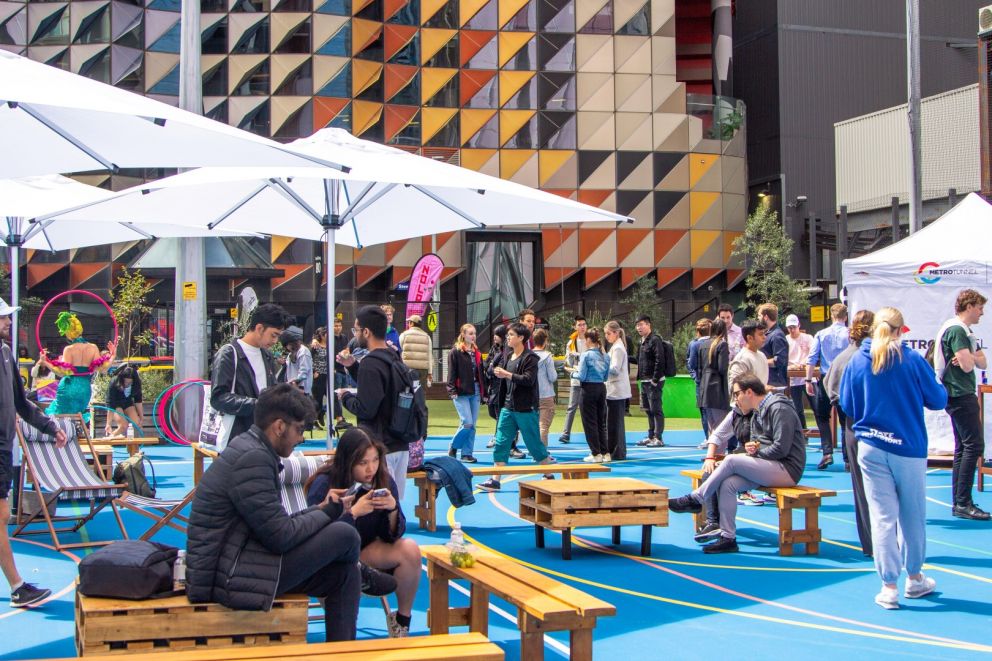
(776, 426)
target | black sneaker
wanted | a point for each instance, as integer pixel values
(971, 511)
(468, 459)
(517, 454)
(452, 452)
(723, 545)
(709, 532)
(563, 439)
(490, 485)
(684, 504)
(28, 594)
(376, 583)
(825, 463)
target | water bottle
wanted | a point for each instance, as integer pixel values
(985, 381)
(130, 432)
(460, 554)
(179, 571)
(457, 537)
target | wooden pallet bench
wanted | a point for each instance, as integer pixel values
(543, 603)
(119, 626)
(426, 511)
(454, 647)
(787, 499)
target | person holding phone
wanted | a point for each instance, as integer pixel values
(363, 494)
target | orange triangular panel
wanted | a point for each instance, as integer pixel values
(594, 198)
(390, 7)
(664, 241)
(432, 80)
(401, 273)
(470, 42)
(476, 159)
(290, 271)
(366, 274)
(554, 275)
(511, 121)
(627, 240)
(325, 109)
(38, 273)
(631, 274)
(473, 120)
(278, 245)
(734, 276)
(364, 115)
(433, 120)
(469, 8)
(363, 74)
(398, 76)
(508, 9)
(471, 81)
(448, 272)
(363, 33)
(667, 276)
(551, 240)
(359, 5)
(80, 273)
(701, 276)
(397, 119)
(432, 40)
(441, 238)
(510, 83)
(596, 274)
(511, 160)
(393, 248)
(398, 36)
(510, 43)
(430, 7)
(590, 239)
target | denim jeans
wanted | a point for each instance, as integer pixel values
(467, 407)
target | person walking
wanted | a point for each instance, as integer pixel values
(593, 370)
(617, 392)
(321, 366)
(573, 350)
(827, 345)
(735, 337)
(714, 387)
(775, 348)
(547, 379)
(467, 387)
(694, 365)
(883, 390)
(800, 344)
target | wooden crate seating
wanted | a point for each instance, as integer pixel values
(606, 501)
(426, 511)
(543, 604)
(787, 499)
(118, 626)
(453, 647)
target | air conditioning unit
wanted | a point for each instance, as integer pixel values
(985, 21)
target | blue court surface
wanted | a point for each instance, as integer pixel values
(676, 604)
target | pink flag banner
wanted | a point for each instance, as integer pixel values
(423, 279)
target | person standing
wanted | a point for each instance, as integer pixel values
(321, 366)
(827, 345)
(126, 402)
(713, 386)
(392, 336)
(695, 368)
(547, 379)
(651, 376)
(341, 343)
(467, 387)
(573, 351)
(775, 348)
(735, 340)
(884, 390)
(800, 344)
(299, 361)
(750, 360)
(13, 403)
(956, 357)
(417, 348)
(617, 392)
(594, 367)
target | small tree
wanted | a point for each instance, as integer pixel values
(643, 300)
(128, 300)
(767, 254)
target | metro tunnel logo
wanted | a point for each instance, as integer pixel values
(927, 280)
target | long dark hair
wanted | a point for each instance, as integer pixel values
(127, 371)
(718, 333)
(352, 446)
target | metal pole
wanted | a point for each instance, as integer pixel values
(723, 47)
(14, 241)
(895, 219)
(913, 85)
(436, 305)
(812, 250)
(190, 348)
(331, 271)
(841, 245)
(952, 197)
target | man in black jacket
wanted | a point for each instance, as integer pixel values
(651, 375)
(243, 549)
(244, 368)
(372, 401)
(519, 390)
(776, 346)
(776, 457)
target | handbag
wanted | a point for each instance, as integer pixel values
(131, 471)
(215, 428)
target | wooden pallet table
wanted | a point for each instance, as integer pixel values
(118, 626)
(614, 501)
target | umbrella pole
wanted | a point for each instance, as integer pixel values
(14, 241)
(331, 223)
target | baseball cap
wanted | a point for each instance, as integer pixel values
(415, 318)
(6, 309)
(791, 320)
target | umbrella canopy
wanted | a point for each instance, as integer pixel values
(53, 121)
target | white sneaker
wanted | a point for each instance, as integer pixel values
(593, 459)
(606, 457)
(920, 588)
(888, 598)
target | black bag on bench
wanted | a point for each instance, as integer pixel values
(128, 569)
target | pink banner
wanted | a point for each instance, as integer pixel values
(424, 278)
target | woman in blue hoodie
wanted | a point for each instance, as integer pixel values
(594, 366)
(883, 392)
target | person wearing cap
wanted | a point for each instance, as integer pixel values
(417, 348)
(827, 345)
(800, 344)
(299, 360)
(13, 403)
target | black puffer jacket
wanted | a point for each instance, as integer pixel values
(238, 529)
(241, 402)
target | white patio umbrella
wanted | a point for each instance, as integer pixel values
(53, 121)
(387, 195)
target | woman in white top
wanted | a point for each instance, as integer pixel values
(617, 391)
(547, 381)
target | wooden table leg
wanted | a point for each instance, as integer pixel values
(580, 644)
(478, 609)
(566, 546)
(437, 614)
(539, 536)
(645, 540)
(531, 638)
(197, 466)
(616, 534)
(784, 528)
(426, 509)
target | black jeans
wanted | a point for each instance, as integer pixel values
(319, 394)
(651, 403)
(616, 429)
(969, 445)
(798, 392)
(326, 566)
(821, 411)
(593, 411)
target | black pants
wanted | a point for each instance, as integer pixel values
(616, 429)
(326, 566)
(798, 392)
(861, 517)
(593, 411)
(821, 411)
(969, 445)
(319, 393)
(651, 403)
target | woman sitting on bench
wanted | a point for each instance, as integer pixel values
(366, 496)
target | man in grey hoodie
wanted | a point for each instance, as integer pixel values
(776, 457)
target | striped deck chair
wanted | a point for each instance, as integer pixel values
(61, 476)
(296, 470)
(162, 512)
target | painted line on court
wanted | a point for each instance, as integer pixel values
(55, 595)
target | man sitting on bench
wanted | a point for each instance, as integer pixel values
(244, 549)
(776, 457)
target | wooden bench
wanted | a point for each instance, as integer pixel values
(426, 510)
(454, 647)
(543, 604)
(787, 499)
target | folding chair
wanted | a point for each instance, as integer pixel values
(163, 512)
(296, 470)
(60, 475)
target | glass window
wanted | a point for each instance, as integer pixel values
(214, 39)
(298, 83)
(254, 40)
(257, 121)
(95, 28)
(501, 277)
(168, 42)
(53, 30)
(298, 41)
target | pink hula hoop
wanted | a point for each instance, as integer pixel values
(44, 308)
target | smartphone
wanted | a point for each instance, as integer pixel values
(380, 493)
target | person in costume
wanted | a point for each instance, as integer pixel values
(80, 361)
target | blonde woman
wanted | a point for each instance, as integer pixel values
(617, 392)
(883, 392)
(80, 361)
(467, 387)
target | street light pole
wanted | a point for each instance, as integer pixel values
(913, 89)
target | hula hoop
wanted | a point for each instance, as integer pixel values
(163, 408)
(110, 410)
(167, 418)
(44, 308)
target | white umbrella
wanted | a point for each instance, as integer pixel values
(53, 121)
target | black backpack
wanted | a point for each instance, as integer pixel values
(408, 421)
(128, 569)
(668, 358)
